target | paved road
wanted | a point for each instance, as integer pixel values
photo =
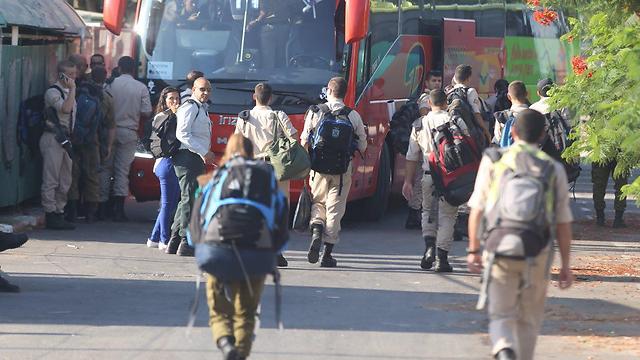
(99, 293)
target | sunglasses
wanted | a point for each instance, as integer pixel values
(205, 89)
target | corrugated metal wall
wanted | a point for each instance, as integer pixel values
(25, 71)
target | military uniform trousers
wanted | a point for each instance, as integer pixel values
(86, 167)
(600, 179)
(234, 316)
(329, 202)
(416, 199)
(124, 151)
(105, 177)
(438, 218)
(56, 174)
(188, 166)
(516, 311)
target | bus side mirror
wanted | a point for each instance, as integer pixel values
(356, 20)
(113, 15)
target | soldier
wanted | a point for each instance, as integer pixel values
(329, 192)
(600, 178)
(257, 126)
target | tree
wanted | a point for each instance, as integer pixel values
(604, 88)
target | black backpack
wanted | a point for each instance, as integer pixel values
(459, 106)
(557, 140)
(164, 142)
(332, 143)
(89, 114)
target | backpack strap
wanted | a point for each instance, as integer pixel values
(244, 115)
(59, 90)
(193, 102)
(495, 154)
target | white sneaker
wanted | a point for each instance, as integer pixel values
(162, 246)
(151, 244)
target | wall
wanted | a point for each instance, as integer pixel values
(25, 71)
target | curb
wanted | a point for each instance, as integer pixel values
(17, 223)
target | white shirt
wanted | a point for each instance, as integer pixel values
(130, 100)
(541, 106)
(259, 128)
(194, 127)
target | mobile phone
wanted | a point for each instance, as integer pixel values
(63, 77)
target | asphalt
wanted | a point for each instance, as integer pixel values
(99, 293)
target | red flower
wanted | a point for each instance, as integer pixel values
(579, 65)
(590, 74)
(545, 16)
(570, 38)
(533, 3)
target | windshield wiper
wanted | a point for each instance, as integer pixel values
(294, 94)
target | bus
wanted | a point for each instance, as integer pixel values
(384, 48)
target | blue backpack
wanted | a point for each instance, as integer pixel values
(31, 121)
(88, 114)
(333, 142)
(240, 221)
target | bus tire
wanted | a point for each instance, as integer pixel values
(375, 206)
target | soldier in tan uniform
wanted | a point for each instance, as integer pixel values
(55, 146)
(330, 192)
(437, 233)
(132, 104)
(257, 126)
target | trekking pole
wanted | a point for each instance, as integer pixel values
(244, 30)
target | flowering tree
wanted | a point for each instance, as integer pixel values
(604, 89)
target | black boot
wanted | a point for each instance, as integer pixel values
(442, 263)
(227, 346)
(505, 354)
(282, 261)
(12, 241)
(91, 209)
(429, 253)
(184, 249)
(71, 211)
(172, 246)
(600, 217)
(55, 221)
(119, 215)
(316, 243)
(327, 260)
(7, 287)
(414, 219)
(101, 214)
(110, 207)
(618, 222)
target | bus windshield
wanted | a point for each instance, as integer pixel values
(292, 44)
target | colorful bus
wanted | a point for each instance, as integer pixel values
(384, 48)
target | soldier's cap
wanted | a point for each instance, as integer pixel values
(544, 85)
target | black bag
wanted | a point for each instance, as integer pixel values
(458, 105)
(164, 142)
(557, 140)
(302, 215)
(332, 143)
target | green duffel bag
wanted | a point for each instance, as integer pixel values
(289, 159)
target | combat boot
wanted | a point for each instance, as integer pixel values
(442, 262)
(316, 243)
(172, 246)
(184, 249)
(118, 212)
(91, 209)
(328, 261)
(429, 253)
(101, 214)
(55, 221)
(414, 219)
(282, 261)
(505, 354)
(227, 346)
(71, 211)
(618, 222)
(600, 217)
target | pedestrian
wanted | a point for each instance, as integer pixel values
(90, 116)
(600, 173)
(437, 233)
(96, 60)
(132, 106)
(522, 198)
(194, 133)
(106, 139)
(191, 77)
(542, 88)
(258, 125)
(163, 168)
(468, 94)
(237, 263)
(330, 174)
(499, 100)
(517, 94)
(55, 146)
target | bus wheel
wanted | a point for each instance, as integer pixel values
(375, 206)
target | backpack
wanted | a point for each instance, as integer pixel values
(164, 142)
(454, 162)
(557, 140)
(458, 103)
(507, 118)
(240, 221)
(88, 114)
(400, 126)
(32, 120)
(519, 221)
(502, 102)
(332, 143)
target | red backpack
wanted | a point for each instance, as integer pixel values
(454, 162)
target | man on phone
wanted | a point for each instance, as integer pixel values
(55, 146)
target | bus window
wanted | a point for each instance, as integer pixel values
(363, 72)
(490, 18)
(383, 25)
